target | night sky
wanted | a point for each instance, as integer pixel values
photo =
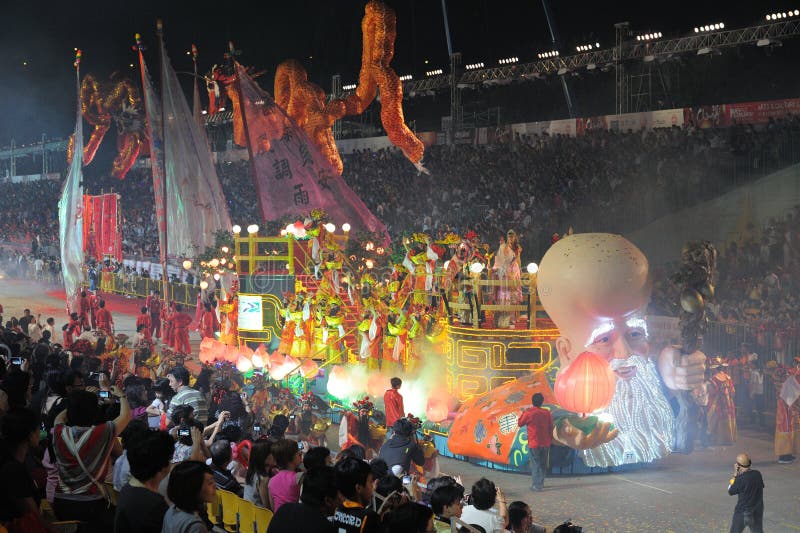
(39, 97)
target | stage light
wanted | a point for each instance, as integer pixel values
(252, 228)
(330, 228)
(476, 268)
(532, 268)
(216, 276)
(203, 285)
(236, 228)
(225, 249)
(223, 261)
(345, 227)
(283, 233)
(187, 264)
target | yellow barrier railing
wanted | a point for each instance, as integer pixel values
(140, 287)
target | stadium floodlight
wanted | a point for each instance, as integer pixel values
(587, 47)
(710, 27)
(349, 87)
(435, 72)
(649, 36)
(474, 66)
(508, 60)
(547, 55)
(406, 77)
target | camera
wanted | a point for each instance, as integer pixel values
(300, 445)
(406, 480)
(292, 417)
(16, 361)
(104, 394)
(257, 428)
(184, 432)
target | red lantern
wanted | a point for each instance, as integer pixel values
(588, 384)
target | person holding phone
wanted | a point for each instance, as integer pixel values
(748, 485)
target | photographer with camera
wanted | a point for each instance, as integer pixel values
(748, 485)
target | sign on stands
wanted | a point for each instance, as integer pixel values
(32, 177)
(665, 118)
(760, 112)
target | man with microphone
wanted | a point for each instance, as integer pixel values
(749, 486)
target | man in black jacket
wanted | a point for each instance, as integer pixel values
(749, 486)
(402, 448)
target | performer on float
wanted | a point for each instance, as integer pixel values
(154, 307)
(144, 320)
(420, 261)
(356, 428)
(297, 331)
(71, 330)
(507, 270)
(400, 329)
(330, 285)
(230, 309)
(180, 323)
(310, 427)
(333, 333)
(721, 408)
(105, 322)
(787, 414)
(199, 310)
(314, 227)
(595, 287)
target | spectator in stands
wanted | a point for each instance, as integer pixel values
(221, 456)
(283, 486)
(191, 486)
(130, 438)
(446, 503)
(317, 457)
(185, 395)
(402, 448)
(520, 519)
(140, 507)
(355, 483)
(481, 511)
(19, 496)
(259, 471)
(83, 451)
(410, 518)
(318, 501)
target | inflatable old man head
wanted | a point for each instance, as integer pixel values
(595, 287)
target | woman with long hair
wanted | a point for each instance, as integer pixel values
(259, 471)
(191, 486)
(507, 267)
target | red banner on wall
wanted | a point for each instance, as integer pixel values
(102, 234)
(760, 112)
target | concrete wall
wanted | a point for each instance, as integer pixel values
(716, 220)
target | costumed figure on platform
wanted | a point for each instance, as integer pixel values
(230, 309)
(507, 268)
(209, 324)
(314, 226)
(357, 428)
(296, 336)
(595, 287)
(787, 413)
(332, 274)
(400, 330)
(333, 332)
(721, 409)
(420, 261)
(180, 322)
(370, 329)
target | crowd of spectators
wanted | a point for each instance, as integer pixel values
(122, 453)
(758, 279)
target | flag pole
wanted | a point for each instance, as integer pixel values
(165, 275)
(238, 85)
(159, 189)
(196, 102)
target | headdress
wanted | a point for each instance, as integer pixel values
(363, 403)
(308, 398)
(416, 422)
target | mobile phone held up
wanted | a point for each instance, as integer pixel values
(16, 361)
(256, 429)
(184, 432)
(104, 394)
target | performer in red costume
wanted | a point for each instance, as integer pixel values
(169, 330)
(94, 306)
(105, 322)
(71, 330)
(181, 321)
(154, 307)
(354, 429)
(393, 402)
(85, 307)
(209, 324)
(144, 320)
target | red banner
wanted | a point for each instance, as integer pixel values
(760, 112)
(102, 234)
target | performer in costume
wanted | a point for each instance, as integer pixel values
(153, 305)
(169, 330)
(94, 305)
(357, 428)
(209, 325)
(507, 267)
(71, 330)
(420, 261)
(309, 426)
(296, 335)
(85, 310)
(144, 320)
(180, 323)
(787, 414)
(105, 322)
(333, 333)
(595, 287)
(721, 408)
(199, 309)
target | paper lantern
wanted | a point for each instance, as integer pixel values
(244, 364)
(377, 384)
(309, 369)
(588, 384)
(206, 357)
(230, 354)
(257, 360)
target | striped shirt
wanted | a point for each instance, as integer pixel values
(94, 445)
(189, 396)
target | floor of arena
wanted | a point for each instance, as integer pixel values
(682, 493)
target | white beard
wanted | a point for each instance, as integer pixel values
(641, 413)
